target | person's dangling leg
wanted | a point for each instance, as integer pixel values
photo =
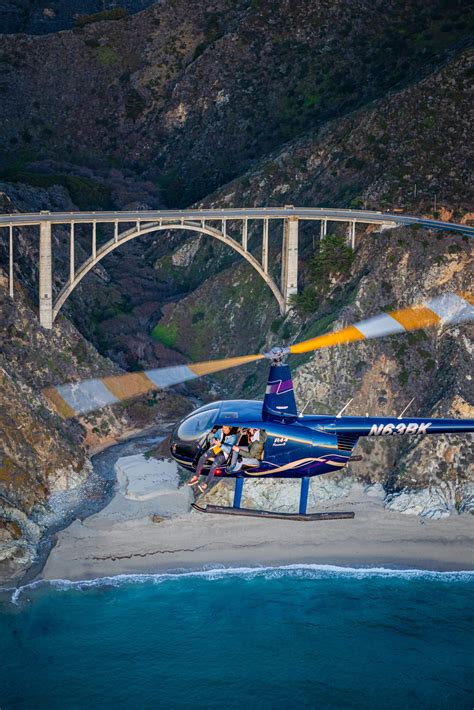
(218, 461)
(203, 460)
(201, 463)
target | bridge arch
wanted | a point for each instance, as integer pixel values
(148, 228)
(196, 220)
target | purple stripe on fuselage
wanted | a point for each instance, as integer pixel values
(279, 387)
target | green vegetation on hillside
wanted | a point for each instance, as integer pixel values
(165, 334)
(107, 56)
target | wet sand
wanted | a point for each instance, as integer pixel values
(123, 538)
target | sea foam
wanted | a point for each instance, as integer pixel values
(305, 571)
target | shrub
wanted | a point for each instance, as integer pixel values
(355, 163)
(134, 104)
(107, 56)
(165, 334)
(335, 258)
(311, 100)
(305, 301)
(276, 324)
(403, 378)
(197, 316)
(106, 15)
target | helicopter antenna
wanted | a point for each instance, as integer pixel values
(307, 402)
(409, 403)
(303, 410)
(338, 416)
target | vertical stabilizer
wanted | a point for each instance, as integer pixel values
(279, 403)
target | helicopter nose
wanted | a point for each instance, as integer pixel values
(189, 432)
(182, 451)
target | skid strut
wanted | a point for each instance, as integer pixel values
(249, 512)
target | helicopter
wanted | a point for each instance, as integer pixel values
(296, 445)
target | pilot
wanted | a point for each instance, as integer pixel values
(222, 442)
(251, 455)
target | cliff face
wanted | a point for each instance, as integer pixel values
(40, 453)
(432, 366)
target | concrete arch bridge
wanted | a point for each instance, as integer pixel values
(213, 222)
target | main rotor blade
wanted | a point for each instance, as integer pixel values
(86, 396)
(81, 397)
(442, 310)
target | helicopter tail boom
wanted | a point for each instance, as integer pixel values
(393, 426)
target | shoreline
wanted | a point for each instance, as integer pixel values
(251, 571)
(145, 526)
(107, 546)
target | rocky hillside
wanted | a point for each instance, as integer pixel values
(387, 156)
(165, 84)
(409, 147)
(40, 453)
(39, 17)
(410, 150)
(232, 103)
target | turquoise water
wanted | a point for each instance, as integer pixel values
(305, 637)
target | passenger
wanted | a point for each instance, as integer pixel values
(249, 455)
(221, 446)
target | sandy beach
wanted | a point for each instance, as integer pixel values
(126, 538)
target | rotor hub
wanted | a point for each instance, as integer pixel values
(277, 354)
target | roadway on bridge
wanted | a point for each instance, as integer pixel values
(303, 213)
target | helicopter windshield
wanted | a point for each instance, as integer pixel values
(196, 426)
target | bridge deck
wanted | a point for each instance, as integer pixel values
(302, 213)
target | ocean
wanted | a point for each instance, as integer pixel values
(300, 636)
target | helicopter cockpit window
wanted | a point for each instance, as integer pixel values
(197, 425)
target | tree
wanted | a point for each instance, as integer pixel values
(334, 259)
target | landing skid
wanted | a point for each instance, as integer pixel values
(250, 513)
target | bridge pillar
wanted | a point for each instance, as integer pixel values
(265, 246)
(289, 260)
(94, 240)
(351, 235)
(45, 277)
(11, 259)
(244, 234)
(323, 228)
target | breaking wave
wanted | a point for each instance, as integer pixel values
(304, 571)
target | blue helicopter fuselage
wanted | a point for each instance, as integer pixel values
(296, 446)
(291, 450)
